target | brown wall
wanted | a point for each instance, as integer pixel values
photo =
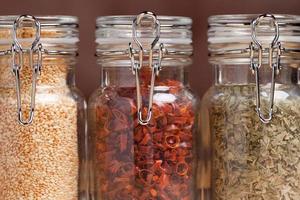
(88, 74)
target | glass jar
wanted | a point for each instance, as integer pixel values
(252, 113)
(42, 113)
(148, 154)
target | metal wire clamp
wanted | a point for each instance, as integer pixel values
(137, 65)
(17, 53)
(256, 47)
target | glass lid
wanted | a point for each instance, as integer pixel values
(114, 33)
(57, 33)
(230, 36)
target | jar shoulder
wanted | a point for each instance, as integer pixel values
(238, 105)
(103, 95)
(46, 95)
(217, 94)
(70, 94)
(96, 97)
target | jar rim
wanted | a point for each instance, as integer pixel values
(165, 21)
(245, 19)
(45, 20)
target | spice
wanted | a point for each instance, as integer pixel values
(252, 160)
(39, 161)
(139, 162)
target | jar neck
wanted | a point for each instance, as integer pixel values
(123, 76)
(242, 75)
(56, 71)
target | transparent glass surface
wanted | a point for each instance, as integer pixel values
(250, 159)
(45, 159)
(132, 161)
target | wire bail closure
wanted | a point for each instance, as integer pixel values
(256, 63)
(17, 52)
(136, 66)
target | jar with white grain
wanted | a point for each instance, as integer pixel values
(42, 113)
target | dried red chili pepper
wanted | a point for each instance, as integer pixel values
(123, 142)
(172, 141)
(182, 168)
(153, 162)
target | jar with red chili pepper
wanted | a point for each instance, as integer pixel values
(141, 118)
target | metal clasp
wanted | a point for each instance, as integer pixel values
(256, 63)
(137, 65)
(17, 52)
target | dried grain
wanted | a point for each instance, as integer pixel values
(39, 161)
